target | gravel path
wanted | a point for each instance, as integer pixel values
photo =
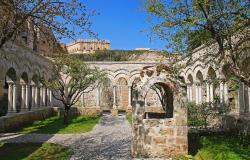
(110, 139)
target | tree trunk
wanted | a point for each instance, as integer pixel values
(66, 115)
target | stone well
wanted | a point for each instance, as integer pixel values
(159, 134)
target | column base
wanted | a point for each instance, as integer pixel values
(11, 112)
(34, 108)
(129, 109)
(24, 110)
(114, 112)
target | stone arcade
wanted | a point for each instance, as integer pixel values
(21, 91)
(20, 88)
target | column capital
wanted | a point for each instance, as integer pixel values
(222, 80)
(197, 83)
(10, 82)
(22, 83)
(32, 84)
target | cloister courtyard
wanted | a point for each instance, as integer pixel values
(123, 118)
(67, 98)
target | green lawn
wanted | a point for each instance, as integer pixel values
(34, 151)
(218, 147)
(53, 125)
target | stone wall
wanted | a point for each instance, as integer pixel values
(12, 122)
(236, 124)
(163, 138)
(85, 110)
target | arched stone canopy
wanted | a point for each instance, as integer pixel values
(24, 78)
(145, 83)
(190, 79)
(165, 96)
(199, 77)
(142, 128)
(11, 75)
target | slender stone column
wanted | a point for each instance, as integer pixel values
(225, 93)
(41, 96)
(27, 97)
(36, 97)
(114, 110)
(47, 97)
(221, 91)
(191, 92)
(114, 98)
(50, 98)
(208, 91)
(14, 97)
(129, 95)
(200, 94)
(33, 96)
(197, 93)
(44, 96)
(23, 97)
(10, 97)
(129, 108)
(98, 97)
(211, 92)
(188, 92)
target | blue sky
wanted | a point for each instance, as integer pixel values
(123, 22)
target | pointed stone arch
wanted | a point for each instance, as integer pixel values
(122, 93)
(106, 94)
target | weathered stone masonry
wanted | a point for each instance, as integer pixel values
(160, 137)
(20, 73)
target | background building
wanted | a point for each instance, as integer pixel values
(87, 46)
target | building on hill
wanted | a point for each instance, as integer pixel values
(87, 46)
(142, 49)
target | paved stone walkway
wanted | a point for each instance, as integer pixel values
(110, 139)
